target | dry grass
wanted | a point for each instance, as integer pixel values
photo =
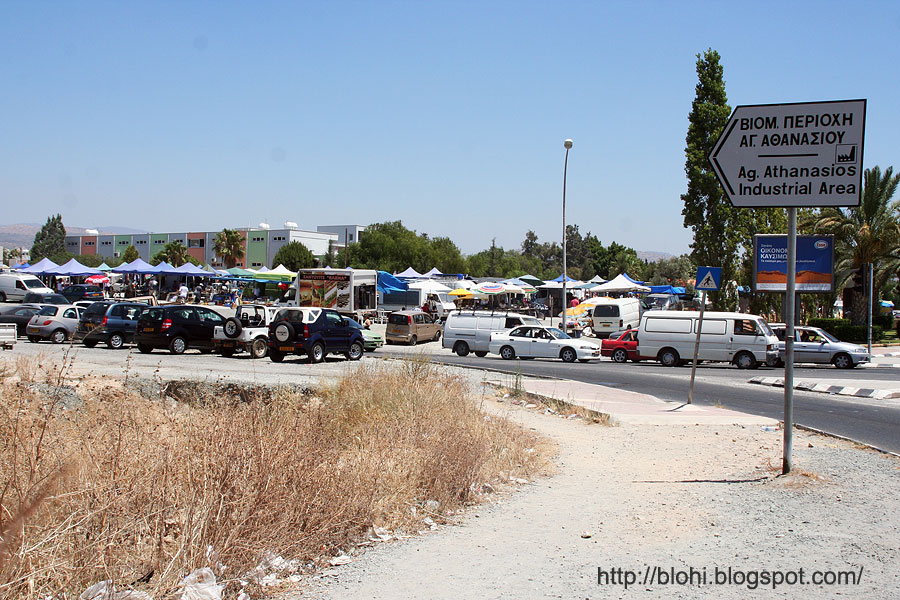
(142, 491)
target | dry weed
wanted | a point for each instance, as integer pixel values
(138, 490)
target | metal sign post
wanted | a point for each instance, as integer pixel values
(790, 155)
(708, 278)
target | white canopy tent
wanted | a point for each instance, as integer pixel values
(429, 286)
(618, 285)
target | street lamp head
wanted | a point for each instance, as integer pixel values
(567, 144)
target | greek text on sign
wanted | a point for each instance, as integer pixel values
(806, 154)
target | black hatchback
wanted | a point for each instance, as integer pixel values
(82, 291)
(177, 327)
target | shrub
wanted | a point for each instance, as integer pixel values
(857, 333)
(828, 324)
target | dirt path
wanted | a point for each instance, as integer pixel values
(677, 497)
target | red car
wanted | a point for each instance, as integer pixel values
(622, 348)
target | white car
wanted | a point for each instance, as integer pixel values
(247, 330)
(530, 341)
(814, 345)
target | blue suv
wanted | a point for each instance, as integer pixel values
(315, 332)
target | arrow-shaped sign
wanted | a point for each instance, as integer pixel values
(804, 154)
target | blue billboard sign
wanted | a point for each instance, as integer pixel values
(815, 263)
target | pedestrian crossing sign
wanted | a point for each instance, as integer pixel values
(708, 278)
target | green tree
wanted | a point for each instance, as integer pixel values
(50, 241)
(865, 234)
(445, 256)
(229, 244)
(131, 253)
(675, 270)
(175, 253)
(390, 247)
(294, 256)
(718, 227)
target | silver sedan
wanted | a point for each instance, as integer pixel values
(53, 322)
(814, 345)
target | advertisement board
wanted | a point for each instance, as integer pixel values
(815, 263)
(324, 290)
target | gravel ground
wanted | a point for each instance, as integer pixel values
(674, 497)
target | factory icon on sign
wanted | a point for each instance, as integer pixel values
(845, 154)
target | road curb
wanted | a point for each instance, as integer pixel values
(844, 438)
(827, 388)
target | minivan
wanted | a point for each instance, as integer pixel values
(742, 339)
(411, 327)
(14, 286)
(613, 316)
(470, 331)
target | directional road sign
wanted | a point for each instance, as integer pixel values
(792, 155)
(708, 278)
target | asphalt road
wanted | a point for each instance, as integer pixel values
(875, 422)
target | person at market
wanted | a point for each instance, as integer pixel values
(367, 324)
(574, 302)
(183, 293)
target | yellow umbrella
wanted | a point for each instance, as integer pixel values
(460, 292)
(578, 310)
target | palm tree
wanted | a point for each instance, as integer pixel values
(865, 234)
(229, 244)
(175, 253)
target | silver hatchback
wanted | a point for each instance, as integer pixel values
(53, 322)
(814, 345)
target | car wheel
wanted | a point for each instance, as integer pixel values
(461, 349)
(568, 355)
(2, 297)
(745, 360)
(115, 341)
(775, 362)
(317, 353)
(145, 349)
(437, 336)
(232, 327)
(276, 356)
(178, 345)
(668, 357)
(620, 355)
(34, 338)
(227, 352)
(413, 341)
(481, 353)
(258, 348)
(507, 353)
(284, 332)
(842, 361)
(355, 352)
(90, 343)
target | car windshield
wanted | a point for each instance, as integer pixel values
(558, 334)
(353, 323)
(48, 311)
(826, 335)
(33, 282)
(768, 330)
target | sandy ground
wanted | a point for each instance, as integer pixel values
(668, 496)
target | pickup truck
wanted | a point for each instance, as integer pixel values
(8, 335)
(247, 330)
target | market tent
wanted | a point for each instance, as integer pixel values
(596, 279)
(40, 267)
(19, 266)
(429, 286)
(409, 273)
(104, 267)
(73, 268)
(138, 265)
(263, 269)
(190, 269)
(568, 279)
(163, 268)
(619, 284)
(388, 283)
(282, 270)
(433, 273)
(666, 289)
(531, 279)
(239, 272)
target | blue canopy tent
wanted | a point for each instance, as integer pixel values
(19, 266)
(40, 268)
(138, 265)
(387, 283)
(560, 278)
(192, 270)
(667, 289)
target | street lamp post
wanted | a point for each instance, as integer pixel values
(568, 145)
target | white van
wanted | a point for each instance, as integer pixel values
(470, 331)
(14, 286)
(742, 339)
(612, 316)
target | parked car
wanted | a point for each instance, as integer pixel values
(82, 291)
(814, 345)
(110, 322)
(612, 316)
(470, 331)
(14, 286)
(53, 322)
(371, 340)
(45, 298)
(177, 327)
(411, 327)
(542, 342)
(315, 332)
(19, 315)
(622, 348)
(248, 330)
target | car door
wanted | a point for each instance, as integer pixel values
(130, 315)
(69, 319)
(520, 339)
(337, 333)
(544, 344)
(208, 321)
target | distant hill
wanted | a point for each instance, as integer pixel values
(651, 256)
(22, 234)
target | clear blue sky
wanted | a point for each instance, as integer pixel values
(450, 116)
